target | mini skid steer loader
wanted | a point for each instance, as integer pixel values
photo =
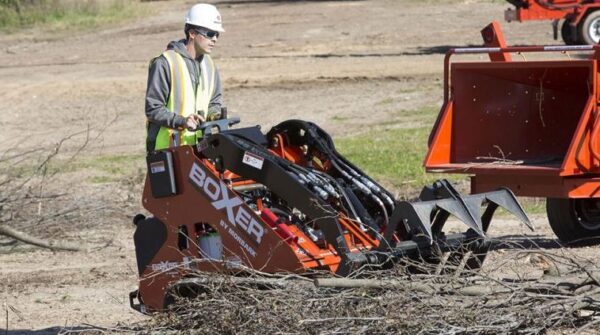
(288, 202)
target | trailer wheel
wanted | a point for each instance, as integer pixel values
(568, 36)
(575, 221)
(589, 29)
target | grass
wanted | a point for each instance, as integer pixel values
(105, 169)
(533, 205)
(340, 118)
(61, 15)
(100, 169)
(394, 156)
(386, 101)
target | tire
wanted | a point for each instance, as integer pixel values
(589, 28)
(575, 221)
(568, 36)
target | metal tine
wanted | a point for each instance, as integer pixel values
(450, 200)
(465, 211)
(475, 209)
(507, 200)
(418, 216)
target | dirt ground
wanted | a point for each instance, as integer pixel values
(315, 60)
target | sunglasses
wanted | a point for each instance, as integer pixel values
(208, 33)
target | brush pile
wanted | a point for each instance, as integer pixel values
(532, 293)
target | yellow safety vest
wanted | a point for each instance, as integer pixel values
(183, 100)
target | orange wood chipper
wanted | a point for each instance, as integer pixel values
(532, 126)
(286, 201)
(580, 18)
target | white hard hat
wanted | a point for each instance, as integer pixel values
(204, 15)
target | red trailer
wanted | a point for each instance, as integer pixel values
(531, 126)
(580, 18)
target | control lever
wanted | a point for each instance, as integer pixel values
(221, 125)
(223, 113)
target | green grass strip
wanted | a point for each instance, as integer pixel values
(61, 15)
(393, 153)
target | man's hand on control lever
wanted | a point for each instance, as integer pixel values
(193, 121)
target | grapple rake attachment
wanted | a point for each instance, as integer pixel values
(425, 220)
(428, 216)
(288, 202)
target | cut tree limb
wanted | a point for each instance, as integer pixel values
(26, 238)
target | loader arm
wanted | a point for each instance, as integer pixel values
(229, 150)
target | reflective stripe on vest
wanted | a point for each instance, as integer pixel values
(183, 100)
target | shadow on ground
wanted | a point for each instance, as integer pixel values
(88, 330)
(45, 331)
(245, 2)
(524, 242)
(537, 242)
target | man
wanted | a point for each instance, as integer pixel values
(184, 88)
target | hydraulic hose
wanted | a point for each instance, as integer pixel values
(315, 182)
(365, 190)
(325, 147)
(302, 179)
(343, 195)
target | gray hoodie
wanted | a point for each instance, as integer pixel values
(158, 89)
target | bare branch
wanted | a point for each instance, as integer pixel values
(7, 231)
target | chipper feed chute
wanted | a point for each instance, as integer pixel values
(531, 126)
(288, 202)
